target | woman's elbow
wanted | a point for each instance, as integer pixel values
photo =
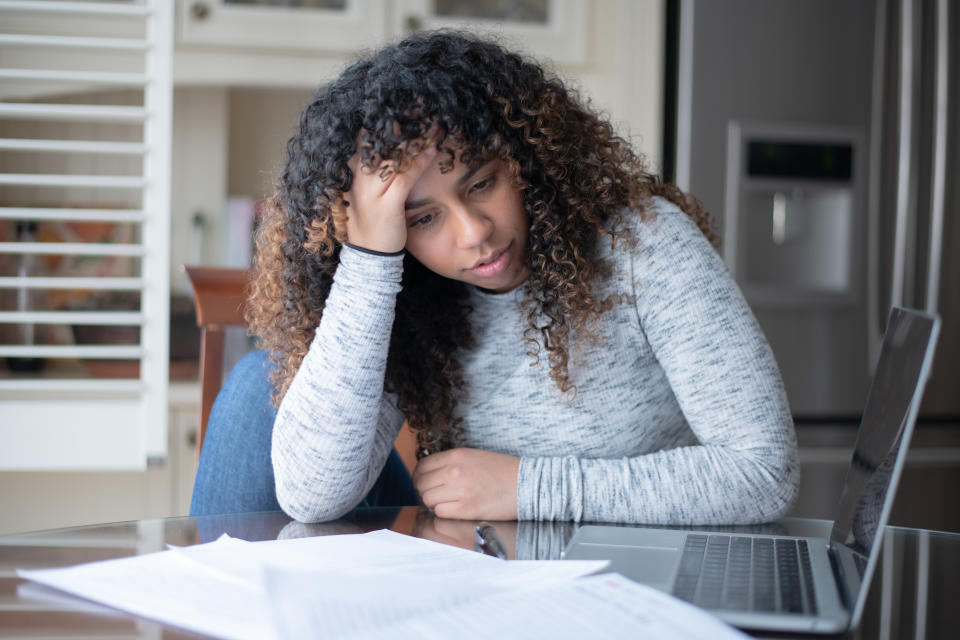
(306, 506)
(782, 490)
(778, 507)
(309, 513)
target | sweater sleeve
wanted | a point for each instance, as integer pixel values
(335, 426)
(743, 467)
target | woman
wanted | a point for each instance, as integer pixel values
(459, 242)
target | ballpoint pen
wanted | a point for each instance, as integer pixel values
(488, 542)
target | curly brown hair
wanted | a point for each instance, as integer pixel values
(478, 101)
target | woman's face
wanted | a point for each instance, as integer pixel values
(469, 225)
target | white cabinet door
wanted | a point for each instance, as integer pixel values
(320, 25)
(555, 30)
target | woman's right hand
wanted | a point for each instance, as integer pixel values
(376, 218)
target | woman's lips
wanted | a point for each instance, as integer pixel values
(495, 266)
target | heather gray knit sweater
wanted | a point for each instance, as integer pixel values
(679, 415)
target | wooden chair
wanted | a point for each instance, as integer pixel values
(220, 296)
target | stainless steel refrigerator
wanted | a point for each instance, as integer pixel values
(824, 136)
(913, 196)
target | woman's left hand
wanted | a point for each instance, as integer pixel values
(469, 484)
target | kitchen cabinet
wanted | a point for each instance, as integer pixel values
(321, 26)
(245, 43)
(31, 500)
(552, 28)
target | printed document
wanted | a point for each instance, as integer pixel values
(602, 606)
(371, 585)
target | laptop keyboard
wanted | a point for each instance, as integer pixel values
(746, 574)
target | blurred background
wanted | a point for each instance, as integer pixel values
(140, 136)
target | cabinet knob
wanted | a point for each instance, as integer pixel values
(199, 10)
(413, 23)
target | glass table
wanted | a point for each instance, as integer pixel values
(915, 592)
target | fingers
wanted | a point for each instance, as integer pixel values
(435, 479)
(404, 180)
(429, 481)
(453, 510)
(469, 483)
(431, 462)
(441, 494)
(427, 476)
(384, 181)
(376, 217)
(416, 158)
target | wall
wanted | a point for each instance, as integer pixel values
(261, 121)
(199, 178)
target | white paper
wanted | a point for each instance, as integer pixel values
(60, 601)
(380, 584)
(381, 552)
(167, 587)
(219, 588)
(604, 606)
(324, 604)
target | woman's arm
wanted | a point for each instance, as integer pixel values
(722, 372)
(335, 426)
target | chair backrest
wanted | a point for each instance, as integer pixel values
(220, 296)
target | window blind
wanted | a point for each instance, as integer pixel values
(85, 134)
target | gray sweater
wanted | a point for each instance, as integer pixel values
(679, 414)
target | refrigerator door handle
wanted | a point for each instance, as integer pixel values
(939, 161)
(903, 154)
(875, 314)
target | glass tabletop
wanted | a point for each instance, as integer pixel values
(913, 594)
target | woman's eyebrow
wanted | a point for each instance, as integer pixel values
(416, 204)
(467, 176)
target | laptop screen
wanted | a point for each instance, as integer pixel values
(892, 404)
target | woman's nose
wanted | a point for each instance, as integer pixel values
(473, 227)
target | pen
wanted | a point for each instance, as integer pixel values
(489, 542)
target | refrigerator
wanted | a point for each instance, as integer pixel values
(823, 136)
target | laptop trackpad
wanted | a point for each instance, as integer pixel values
(654, 566)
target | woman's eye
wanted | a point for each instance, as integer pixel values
(483, 185)
(423, 221)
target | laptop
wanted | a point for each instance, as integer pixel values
(787, 582)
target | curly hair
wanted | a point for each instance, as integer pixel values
(476, 101)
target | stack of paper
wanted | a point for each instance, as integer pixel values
(379, 584)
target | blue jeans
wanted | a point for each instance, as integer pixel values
(235, 472)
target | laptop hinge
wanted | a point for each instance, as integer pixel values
(840, 577)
